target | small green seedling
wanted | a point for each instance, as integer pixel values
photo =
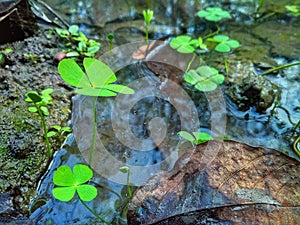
(214, 14)
(32, 57)
(148, 15)
(110, 37)
(204, 78)
(78, 43)
(60, 131)
(126, 169)
(224, 43)
(196, 137)
(68, 183)
(39, 105)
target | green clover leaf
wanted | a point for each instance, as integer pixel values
(214, 14)
(224, 43)
(69, 182)
(204, 78)
(97, 80)
(185, 44)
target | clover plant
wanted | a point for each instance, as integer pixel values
(148, 14)
(225, 44)
(214, 14)
(68, 183)
(196, 137)
(184, 44)
(97, 80)
(204, 78)
(60, 131)
(39, 103)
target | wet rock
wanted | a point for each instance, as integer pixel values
(247, 89)
(221, 182)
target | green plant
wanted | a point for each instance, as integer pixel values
(204, 78)
(185, 44)
(196, 137)
(148, 14)
(39, 103)
(293, 9)
(110, 37)
(214, 14)
(224, 43)
(77, 42)
(59, 131)
(32, 57)
(97, 80)
(125, 169)
(279, 67)
(68, 183)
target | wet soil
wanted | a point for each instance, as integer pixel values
(23, 152)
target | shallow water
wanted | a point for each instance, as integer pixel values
(140, 131)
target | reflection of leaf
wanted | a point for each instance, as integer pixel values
(196, 138)
(204, 78)
(222, 181)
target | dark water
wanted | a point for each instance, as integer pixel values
(140, 131)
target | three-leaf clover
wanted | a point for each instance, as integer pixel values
(97, 80)
(224, 43)
(204, 78)
(70, 182)
(214, 14)
(40, 101)
(196, 137)
(185, 44)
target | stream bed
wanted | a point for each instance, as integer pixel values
(140, 130)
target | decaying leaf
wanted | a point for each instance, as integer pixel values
(222, 182)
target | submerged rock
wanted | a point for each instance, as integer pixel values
(221, 182)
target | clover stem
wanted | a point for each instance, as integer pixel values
(128, 184)
(94, 213)
(94, 131)
(279, 67)
(45, 130)
(226, 65)
(213, 33)
(146, 29)
(190, 63)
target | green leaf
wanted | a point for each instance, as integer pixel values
(221, 38)
(72, 54)
(87, 192)
(184, 44)
(34, 96)
(72, 74)
(99, 73)
(214, 14)
(222, 47)
(64, 194)
(63, 176)
(73, 29)
(124, 169)
(47, 91)
(32, 109)
(95, 92)
(82, 173)
(205, 78)
(201, 137)
(186, 135)
(45, 110)
(119, 88)
(51, 133)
